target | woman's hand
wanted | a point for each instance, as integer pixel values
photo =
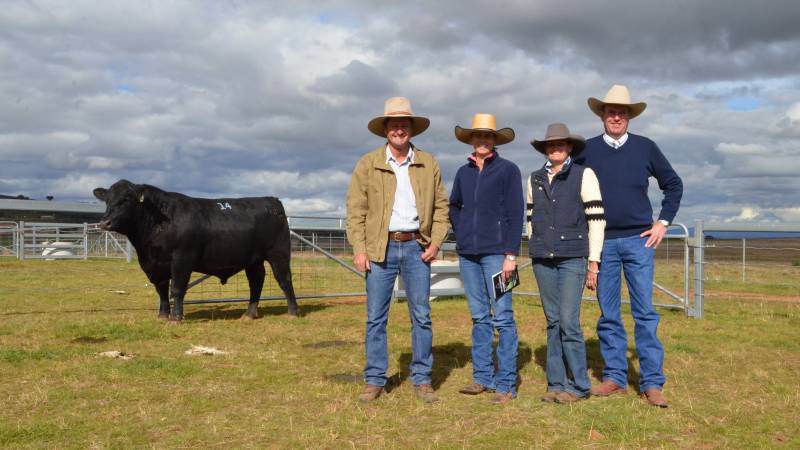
(591, 275)
(508, 268)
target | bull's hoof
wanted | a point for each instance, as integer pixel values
(163, 316)
(174, 322)
(294, 314)
(245, 317)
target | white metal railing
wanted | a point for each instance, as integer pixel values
(9, 233)
(38, 240)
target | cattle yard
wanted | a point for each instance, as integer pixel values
(293, 382)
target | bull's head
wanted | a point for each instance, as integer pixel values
(122, 200)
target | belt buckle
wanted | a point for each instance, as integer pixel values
(396, 235)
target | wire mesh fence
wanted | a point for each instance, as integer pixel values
(749, 267)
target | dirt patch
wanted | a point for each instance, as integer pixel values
(752, 296)
(88, 340)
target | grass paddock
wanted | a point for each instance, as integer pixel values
(731, 378)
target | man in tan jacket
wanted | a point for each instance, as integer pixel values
(396, 222)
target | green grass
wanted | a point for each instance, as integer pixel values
(293, 383)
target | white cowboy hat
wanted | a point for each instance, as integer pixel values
(398, 107)
(559, 132)
(617, 95)
(485, 122)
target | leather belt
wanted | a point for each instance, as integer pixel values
(403, 236)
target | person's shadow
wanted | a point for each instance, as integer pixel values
(446, 358)
(594, 361)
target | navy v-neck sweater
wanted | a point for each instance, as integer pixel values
(624, 175)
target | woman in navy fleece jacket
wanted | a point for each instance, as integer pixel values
(486, 212)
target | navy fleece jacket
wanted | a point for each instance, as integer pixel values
(487, 208)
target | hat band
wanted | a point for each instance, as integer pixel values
(398, 113)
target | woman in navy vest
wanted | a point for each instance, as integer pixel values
(486, 212)
(566, 223)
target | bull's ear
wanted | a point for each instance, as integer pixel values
(100, 193)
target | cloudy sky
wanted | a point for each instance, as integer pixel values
(241, 98)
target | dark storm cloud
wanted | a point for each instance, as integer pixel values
(251, 98)
(355, 79)
(681, 40)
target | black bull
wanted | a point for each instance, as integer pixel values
(175, 235)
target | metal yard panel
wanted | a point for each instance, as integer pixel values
(9, 233)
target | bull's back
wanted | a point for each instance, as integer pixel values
(234, 233)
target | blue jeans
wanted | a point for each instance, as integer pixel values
(403, 258)
(630, 256)
(476, 272)
(561, 282)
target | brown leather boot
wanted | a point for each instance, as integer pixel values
(607, 388)
(549, 396)
(474, 389)
(502, 397)
(425, 393)
(371, 392)
(655, 397)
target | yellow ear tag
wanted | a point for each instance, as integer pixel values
(141, 199)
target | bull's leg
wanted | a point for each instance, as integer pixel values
(255, 278)
(177, 290)
(283, 275)
(162, 287)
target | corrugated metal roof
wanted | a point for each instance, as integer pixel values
(51, 206)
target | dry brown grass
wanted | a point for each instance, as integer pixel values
(293, 383)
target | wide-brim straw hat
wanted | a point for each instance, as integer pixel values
(559, 132)
(485, 122)
(617, 95)
(398, 107)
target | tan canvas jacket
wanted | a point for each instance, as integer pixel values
(371, 197)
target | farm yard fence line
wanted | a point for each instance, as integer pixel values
(691, 307)
(9, 233)
(45, 240)
(319, 239)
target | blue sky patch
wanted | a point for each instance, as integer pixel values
(743, 104)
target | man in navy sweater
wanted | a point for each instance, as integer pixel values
(624, 162)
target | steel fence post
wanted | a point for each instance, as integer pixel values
(21, 240)
(85, 240)
(744, 259)
(699, 255)
(686, 306)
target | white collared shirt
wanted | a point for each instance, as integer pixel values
(548, 166)
(404, 212)
(615, 143)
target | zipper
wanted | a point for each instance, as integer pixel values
(475, 208)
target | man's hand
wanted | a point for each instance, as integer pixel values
(429, 255)
(591, 275)
(656, 234)
(361, 262)
(508, 269)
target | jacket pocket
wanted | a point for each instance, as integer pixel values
(571, 235)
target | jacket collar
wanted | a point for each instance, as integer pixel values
(540, 176)
(379, 160)
(494, 156)
(548, 166)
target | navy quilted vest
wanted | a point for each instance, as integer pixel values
(559, 222)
